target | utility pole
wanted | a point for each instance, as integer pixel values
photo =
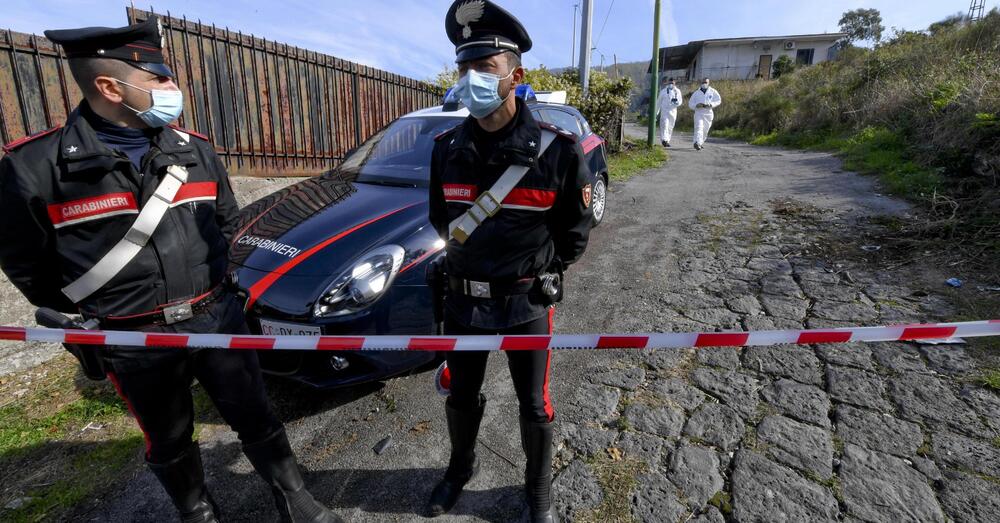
(572, 45)
(976, 10)
(654, 77)
(585, 27)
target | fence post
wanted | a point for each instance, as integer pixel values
(357, 104)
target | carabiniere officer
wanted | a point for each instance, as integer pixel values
(128, 221)
(509, 239)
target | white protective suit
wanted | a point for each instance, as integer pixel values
(669, 100)
(703, 116)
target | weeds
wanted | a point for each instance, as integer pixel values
(633, 159)
(922, 111)
(618, 478)
(990, 379)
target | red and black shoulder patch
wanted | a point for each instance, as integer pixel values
(189, 131)
(21, 141)
(442, 135)
(559, 131)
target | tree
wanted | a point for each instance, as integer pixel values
(862, 25)
(782, 65)
(952, 22)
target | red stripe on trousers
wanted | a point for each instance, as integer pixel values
(546, 400)
(128, 405)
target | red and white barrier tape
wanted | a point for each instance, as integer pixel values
(933, 331)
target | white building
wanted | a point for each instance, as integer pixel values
(745, 58)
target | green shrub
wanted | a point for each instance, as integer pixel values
(922, 109)
(604, 107)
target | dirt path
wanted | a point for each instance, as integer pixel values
(732, 237)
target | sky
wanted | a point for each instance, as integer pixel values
(407, 36)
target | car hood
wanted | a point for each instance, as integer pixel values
(319, 226)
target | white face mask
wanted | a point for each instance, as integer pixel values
(480, 92)
(166, 107)
(704, 87)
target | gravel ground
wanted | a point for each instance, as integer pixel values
(732, 237)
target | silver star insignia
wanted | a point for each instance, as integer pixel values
(531, 144)
(182, 142)
(71, 149)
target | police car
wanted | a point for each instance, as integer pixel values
(347, 252)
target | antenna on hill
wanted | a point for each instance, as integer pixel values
(976, 10)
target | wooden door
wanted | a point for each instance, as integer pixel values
(764, 67)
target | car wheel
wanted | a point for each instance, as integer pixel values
(599, 199)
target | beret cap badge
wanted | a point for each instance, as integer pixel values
(467, 13)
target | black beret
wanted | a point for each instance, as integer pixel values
(480, 28)
(139, 45)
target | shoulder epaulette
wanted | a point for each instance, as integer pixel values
(189, 131)
(559, 131)
(441, 135)
(21, 141)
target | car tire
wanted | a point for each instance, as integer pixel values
(599, 199)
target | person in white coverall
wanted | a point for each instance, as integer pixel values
(667, 103)
(703, 101)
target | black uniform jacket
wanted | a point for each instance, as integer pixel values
(546, 216)
(66, 199)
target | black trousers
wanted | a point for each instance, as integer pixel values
(529, 370)
(156, 384)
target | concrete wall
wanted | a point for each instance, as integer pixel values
(739, 61)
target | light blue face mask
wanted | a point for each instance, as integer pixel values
(479, 92)
(167, 106)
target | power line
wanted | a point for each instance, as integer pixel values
(606, 15)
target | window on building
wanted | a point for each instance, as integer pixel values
(804, 56)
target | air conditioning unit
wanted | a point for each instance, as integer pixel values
(789, 46)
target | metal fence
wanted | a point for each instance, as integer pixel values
(271, 109)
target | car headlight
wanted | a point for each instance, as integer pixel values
(363, 284)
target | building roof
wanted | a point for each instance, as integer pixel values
(680, 56)
(817, 36)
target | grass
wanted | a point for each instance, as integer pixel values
(633, 159)
(88, 472)
(618, 481)
(64, 440)
(722, 501)
(990, 379)
(873, 150)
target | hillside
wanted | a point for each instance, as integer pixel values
(922, 110)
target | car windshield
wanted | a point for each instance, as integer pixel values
(400, 154)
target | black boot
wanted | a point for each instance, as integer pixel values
(463, 429)
(274, 461)
(536, 439)
(184, 480)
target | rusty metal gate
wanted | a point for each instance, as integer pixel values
(270, 109)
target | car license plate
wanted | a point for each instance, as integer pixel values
(280, 328)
